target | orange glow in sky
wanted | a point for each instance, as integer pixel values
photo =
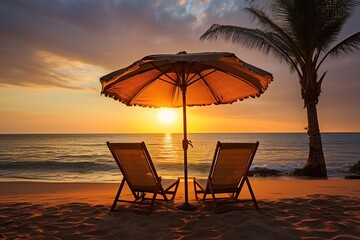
(49, 83)
(167, 116)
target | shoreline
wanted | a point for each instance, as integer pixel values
(264, 188)
(282, 176)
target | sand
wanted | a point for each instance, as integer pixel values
(289, 209)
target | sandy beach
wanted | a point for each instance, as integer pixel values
(289, 209)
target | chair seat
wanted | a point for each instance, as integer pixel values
(217, 188)
(202, 182)
(168, 183)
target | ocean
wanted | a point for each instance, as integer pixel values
(86, 158)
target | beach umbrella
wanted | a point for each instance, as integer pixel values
(180, 80)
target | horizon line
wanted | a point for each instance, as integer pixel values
(86, 133)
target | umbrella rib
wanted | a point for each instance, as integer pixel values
(125, 77)
(145, 87)
(188, 81)
(200, 77)
(245, 80)
(241, 78)
(210, 89)
(235, 76)
(187, 75)
(153, 80)
(177, 74)
(164, 72)
(164, 80)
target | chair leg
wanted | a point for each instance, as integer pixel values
(195, 190)
(168, 191)
(213, 197)
(252, 193)
(204, 197)
(152, 202)
(246, 179)
(240, 188)
(198, 189)
(163, 193)
(175, 190)
(118, 194)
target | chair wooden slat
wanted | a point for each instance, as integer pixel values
(228, 172)
(138, 170)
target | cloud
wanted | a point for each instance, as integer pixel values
(22, 66)
(104, 35)
(199, 11)
(101, 34)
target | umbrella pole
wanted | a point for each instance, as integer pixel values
(185, 143)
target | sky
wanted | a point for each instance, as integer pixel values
(52, 54)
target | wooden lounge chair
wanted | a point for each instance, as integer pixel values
(139, 173)
(228, 173)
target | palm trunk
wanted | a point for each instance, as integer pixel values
(315, 165)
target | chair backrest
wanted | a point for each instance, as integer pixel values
(135, 164)
(231, 163)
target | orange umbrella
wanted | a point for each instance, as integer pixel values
(180, 80)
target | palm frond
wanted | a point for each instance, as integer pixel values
(298, 32)
(331, 16)
(267, 42)
(348, 45)
(273, 27)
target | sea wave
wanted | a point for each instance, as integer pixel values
(62, 166)
(86, 157)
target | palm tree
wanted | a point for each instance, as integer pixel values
(300, 33)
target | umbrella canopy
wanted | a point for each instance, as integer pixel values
(180, 80)
(209, 78)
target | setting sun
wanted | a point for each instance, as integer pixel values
(167, 116)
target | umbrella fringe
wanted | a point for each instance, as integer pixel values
(117, 98)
